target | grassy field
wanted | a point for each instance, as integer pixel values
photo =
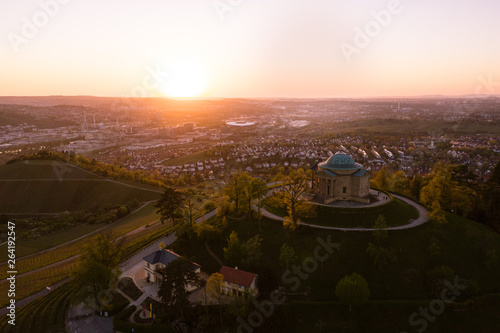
(396, 213)
(52, 187)
(462, 243)
(391, 316)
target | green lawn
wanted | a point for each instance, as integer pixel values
(396, 213)
(463, 246)
(391, 316)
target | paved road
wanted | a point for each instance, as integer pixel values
(422, 218)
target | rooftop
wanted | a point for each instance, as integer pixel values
(165, 257)
(340, 161)
(236, 276)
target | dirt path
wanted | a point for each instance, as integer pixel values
(209, 250)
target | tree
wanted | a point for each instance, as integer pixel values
(492, 196)
(247, 253)
(254, 189)
(293, 186)
(352, 290)
(98, 270)
(233, 253)
(383, 179)
(188, 207)
(381, 256)
(215, 284)
(177, 276)
(169, 204)
(436, 213)
(235, 189)
(287, 256)
(252, 251)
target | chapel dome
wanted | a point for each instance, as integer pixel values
(341, 161)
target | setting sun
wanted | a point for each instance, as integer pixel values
(185, 79)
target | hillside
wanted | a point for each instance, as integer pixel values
(53, 186)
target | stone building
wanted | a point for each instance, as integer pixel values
(340, 178)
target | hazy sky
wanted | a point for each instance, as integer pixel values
(249, 48)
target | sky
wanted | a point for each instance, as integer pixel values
(249, 48)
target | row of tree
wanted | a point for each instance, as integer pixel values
(448, 187)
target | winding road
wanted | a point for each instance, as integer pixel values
(423, 217)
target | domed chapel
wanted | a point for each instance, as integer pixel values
(340, 178)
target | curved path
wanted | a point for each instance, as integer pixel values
(423, 217)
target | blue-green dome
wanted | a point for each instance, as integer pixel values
(340, 161)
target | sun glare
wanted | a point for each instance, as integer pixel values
(185, 80)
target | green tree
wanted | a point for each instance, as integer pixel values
(233, 252)
(254, 189)
(436, 213)
(352, 290)
(98, 271)
(177, 277)
(292, 188)
(287, 256)
(214, 286)
(252, 251)
(235, 189)
(492, 198)
(381, 256)
(168, 205)
(383, 179)
(247, 253)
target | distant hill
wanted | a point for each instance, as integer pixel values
(53, 186)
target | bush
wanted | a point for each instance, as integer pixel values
(209, 205)
(128, 286)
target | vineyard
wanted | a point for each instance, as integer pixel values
(33, 282)
(30, 263)
(46, 314)
(54, 170)
(53, 187)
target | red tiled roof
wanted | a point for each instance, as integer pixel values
(237, 276)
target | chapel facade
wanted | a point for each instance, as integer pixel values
(340, 178)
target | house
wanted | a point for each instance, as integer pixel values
(155, 263)
(237, 281)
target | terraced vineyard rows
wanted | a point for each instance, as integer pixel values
(29, 284)
(45, 314)
(44, 170)
(33, 282)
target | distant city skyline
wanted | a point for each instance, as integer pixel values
(250, 49)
